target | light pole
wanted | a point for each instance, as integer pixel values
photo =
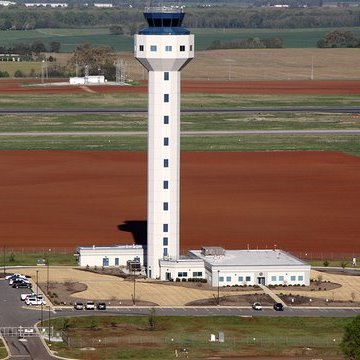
(37, 283)
(218, 292)
(49, 323)
(134, 286)
(47, 271)
(42, 314)
(4, 259)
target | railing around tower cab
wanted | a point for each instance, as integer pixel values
(163, 9)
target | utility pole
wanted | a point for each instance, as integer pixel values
(312, 68)
(218, 292)
(4, 253)
(37, 283)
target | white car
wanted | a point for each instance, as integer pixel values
(257, 306)
(90, 305)
(22, 278)
(33, 300)
(8, 277)
(24, 296)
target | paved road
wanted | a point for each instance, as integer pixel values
(311, 109)
(13, 314)
(183, 133)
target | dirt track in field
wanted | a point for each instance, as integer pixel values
(300, 201)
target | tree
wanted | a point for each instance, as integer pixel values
(96, 59)
(350, 344)
(55, 46)
(37, 47)
(116, 30)
(339, 39)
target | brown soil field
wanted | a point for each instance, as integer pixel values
(300, 201)
(201, 86)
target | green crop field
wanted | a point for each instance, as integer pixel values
(158, 337)
(70, 38)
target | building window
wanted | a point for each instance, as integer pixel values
(165, 227)
(165, 252)
(281, 278)
(228, 279)
(182, 47)
(168, 48)
(166, 98)
(221, 279)
(165, 241)
(165, 184)
(197, 274)
(166, 163)
(141, 47)
(166, 141)
(293, 278)
(248, 278)
(182, 274)
(191, 47)
(273, 278)
(240, 278)
(300, 278)
(166, 119)
(165, 206)
(166, 75)
(117, 262)
(153, 48)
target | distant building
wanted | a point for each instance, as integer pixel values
(6, 3)
(91, 80)
(99, 5)
(52, 5)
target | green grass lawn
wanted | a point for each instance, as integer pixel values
(135, 338)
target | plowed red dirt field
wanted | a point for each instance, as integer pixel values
(224, 87)
(300, 201)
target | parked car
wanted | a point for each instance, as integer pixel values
(22, 285)
(34, 300)
(8, 277)
(25, 295)
(257, 306)
(90, 305)
(78, 306)
(101, 306)
(278, 307)
(14, 279)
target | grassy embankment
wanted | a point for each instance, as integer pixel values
(133, 337)
(190, 122)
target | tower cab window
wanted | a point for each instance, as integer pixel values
(182, 47)
(141, 48)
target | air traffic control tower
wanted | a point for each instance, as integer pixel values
(163, 48)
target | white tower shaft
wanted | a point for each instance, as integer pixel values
(163, 54)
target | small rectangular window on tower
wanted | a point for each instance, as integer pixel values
(166, 163)
(166, 98)
(166, 119)
(166, 141)
(165, 228)
(165, 184)
(141, 48)
(191, 48)
(165, 252)
(153, 48)
(165, 206)
(182, 47)
(168, 48)
(166, 75)
(165, 241)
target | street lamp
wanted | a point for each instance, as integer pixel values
(49, 323)
(4, 260)
(134, 286)
(47, 272)
(218, 292)
(37, 283)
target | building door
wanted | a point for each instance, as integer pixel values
(168, 276)
(261, 280)
(105, 261)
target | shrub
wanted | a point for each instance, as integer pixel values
(19, 74)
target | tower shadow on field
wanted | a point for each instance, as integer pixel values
(138, 228)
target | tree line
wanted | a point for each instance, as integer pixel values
(131, 19)
(251, 43)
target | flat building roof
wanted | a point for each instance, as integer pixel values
(250, 258)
